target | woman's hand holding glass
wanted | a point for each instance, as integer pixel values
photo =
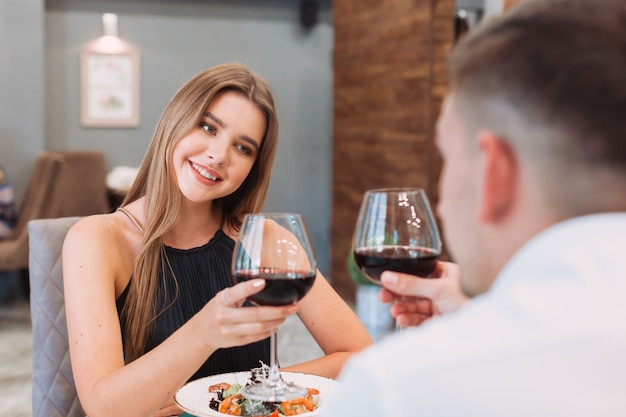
(228, 325)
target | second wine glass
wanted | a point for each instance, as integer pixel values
(396, 231)
(275, 247)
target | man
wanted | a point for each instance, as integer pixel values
(533, 205)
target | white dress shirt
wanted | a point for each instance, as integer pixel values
(548, 339)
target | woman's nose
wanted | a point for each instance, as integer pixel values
(217, 151)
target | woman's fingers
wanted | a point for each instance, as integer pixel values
(237, 325)
(235, 296)
(244, 329)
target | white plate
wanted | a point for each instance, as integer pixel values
(195, 397)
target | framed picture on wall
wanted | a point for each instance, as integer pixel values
(109, 87)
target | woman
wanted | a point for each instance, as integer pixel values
(141, 283)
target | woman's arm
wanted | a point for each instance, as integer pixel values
(335, 327)
(93, 266)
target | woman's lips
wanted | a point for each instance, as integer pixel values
(205, 172)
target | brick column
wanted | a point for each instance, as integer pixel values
(389, 80)
(509, 3)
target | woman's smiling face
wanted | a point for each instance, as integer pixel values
(214, 159)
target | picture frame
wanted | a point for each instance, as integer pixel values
(109, 85)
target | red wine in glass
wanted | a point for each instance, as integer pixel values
(396, 231)
(418, 261)
(281, 287)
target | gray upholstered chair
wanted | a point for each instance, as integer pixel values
(54, 394)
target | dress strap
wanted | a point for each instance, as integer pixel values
(131, 217)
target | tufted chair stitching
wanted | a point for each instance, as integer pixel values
(54, 393)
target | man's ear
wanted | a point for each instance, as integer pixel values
(499, 177)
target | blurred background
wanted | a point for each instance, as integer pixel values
(358, 86)
(289, 42)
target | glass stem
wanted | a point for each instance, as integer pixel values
(398, 327)
(274, 375)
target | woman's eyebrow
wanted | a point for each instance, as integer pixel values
(215, 119)
(250, 141)
(221, 124)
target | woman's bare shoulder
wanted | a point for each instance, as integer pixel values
(103, 246)
(95, 227)
(104, 232)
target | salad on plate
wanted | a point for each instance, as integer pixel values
(228, 399)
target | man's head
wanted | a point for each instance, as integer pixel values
(534, 128)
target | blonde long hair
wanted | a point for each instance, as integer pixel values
(156, 181)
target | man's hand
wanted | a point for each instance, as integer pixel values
(417, 299)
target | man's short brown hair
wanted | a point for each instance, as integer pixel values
(550, 77)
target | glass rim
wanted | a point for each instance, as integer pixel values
(274, 214)
(395, 190)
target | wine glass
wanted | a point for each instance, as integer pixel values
(396, 231)
(275, 247)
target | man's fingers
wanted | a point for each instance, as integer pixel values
(409, 285)
(408, 320)
(421, 306)
(386, 296)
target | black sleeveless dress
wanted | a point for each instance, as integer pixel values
(201, 273)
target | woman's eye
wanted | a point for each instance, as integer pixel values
(208, 128)
(245, 149)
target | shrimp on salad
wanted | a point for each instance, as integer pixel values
(300, 405)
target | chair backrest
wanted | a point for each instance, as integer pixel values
(62, 184)
(54, 393)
